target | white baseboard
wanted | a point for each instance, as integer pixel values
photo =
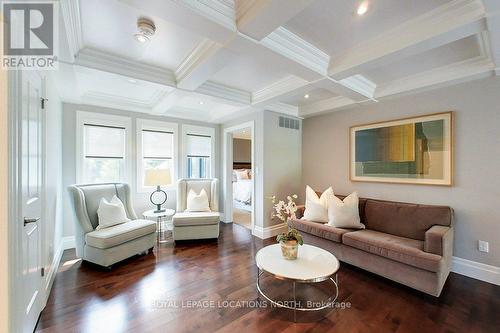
(51, 274)
(68, 242)
(476, 270)
(267, 232)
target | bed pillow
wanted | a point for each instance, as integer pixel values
(344, 214)
(242, 174)
(197, 202)
(111, 213)
(317, 207)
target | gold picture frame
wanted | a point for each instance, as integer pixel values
(415, 150)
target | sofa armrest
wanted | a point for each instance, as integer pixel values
(300, 211)
(439, 240)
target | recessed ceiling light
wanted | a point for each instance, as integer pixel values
(132, 80)
(362, 8)
(306, 96)
(145, 30)
(201, 102)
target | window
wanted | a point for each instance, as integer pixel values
(102, 149)
(156, 149)
(198, 151)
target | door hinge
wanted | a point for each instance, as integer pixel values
(42, 271)
(43, 100)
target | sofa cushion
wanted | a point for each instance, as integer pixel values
(404, 219)
(405, 250)
(119, 234)
(320, 230)
(195, 218)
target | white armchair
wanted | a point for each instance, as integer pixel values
(110, 245)
(196, 225)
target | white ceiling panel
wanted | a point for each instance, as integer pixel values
(314, 95)
(333, 25)
(447, 54)
(110, 26)
(247, 74)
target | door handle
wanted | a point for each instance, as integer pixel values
(28, 220)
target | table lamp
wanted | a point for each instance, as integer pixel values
(158, 177)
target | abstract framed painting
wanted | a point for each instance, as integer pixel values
(416, 150)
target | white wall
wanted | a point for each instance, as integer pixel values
(476, 194)
(141, 200)
(282, 163)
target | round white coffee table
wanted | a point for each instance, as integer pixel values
(312, 265)
(160, 227)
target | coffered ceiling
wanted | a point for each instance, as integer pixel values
(213, 60)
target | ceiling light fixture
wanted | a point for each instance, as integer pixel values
(306, 96)
(362, 8)
(145, 30)
(132, 80)
(201, 102)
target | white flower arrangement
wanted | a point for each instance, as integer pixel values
(284, 211)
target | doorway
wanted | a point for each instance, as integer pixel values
(240, 175)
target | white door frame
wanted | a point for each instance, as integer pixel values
(228, 170)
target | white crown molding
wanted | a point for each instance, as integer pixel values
(278, 88)
(70, 11)
(120, 102)
(220, 11)
(360, 84)
(325, 105)
(445, 24)
(214, 89)
(469, 69)
(115, 64)
(293, 47)
(207, 58)
(284, 108)
(476, 270)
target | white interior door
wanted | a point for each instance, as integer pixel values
(30, 185)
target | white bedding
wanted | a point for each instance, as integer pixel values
(242, 191)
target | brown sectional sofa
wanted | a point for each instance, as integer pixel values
(408, 243)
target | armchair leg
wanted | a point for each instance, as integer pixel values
(150, 250)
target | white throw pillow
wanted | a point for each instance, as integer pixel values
(317, 208)
(111, 213)
(197, 202)
(344, 214)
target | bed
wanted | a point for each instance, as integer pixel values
(242, 186)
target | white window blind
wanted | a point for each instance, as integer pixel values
(104, 141)
(157, 144)
(198, 145)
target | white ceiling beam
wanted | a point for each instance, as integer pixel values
(325, 105)
(493, 24)
(213, 19)
(70, 12)
(229, 94)
(286, 87)
(259, 18)
(168, 101)
(462, 71)
(205, 60)
(118, 65)
(450, 22)
(357, 88)
(284, 108)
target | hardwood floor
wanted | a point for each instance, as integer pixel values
(164, 292)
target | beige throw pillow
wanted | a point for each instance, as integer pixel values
(317, 207)
(344, 214)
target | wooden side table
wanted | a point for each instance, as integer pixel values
(162, 225)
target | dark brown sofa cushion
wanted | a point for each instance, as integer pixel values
(405, 250)
(320, 230)
(404, 219)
